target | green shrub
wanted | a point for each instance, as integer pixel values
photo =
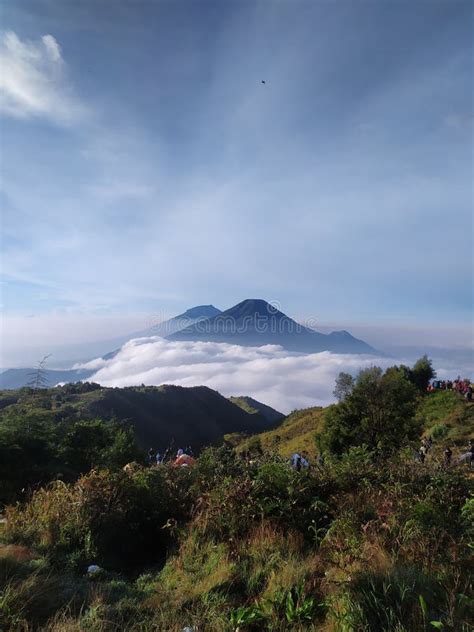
(115, 519)
(270, 490)
(246, 616)
(467, 517)
(214, 465)
(439, 431)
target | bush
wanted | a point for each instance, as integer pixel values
(269, 490)
(214, 465)
(114, 519)
(467, 517)
(439, 431)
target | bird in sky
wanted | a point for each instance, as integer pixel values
(263, 81)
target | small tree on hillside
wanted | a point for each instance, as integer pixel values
(422, 372)
(379, 412)
(38, 377)
(344, 386)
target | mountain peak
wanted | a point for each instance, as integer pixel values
(342, 333)
(200, 311)
(253, 307)
(256, 322)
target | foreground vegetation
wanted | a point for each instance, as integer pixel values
(61, 433)
(50, 427)
(370, 541)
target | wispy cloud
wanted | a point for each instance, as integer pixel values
(334, 187)
(33, 81)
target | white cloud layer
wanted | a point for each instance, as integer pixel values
(270, 374)
(33, 81)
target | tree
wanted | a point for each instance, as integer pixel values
(37, 447)
(38, 377)
(422, 372)
(98, 443)
(378, 412)
(344, 386)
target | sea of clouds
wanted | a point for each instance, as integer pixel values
(271, 374)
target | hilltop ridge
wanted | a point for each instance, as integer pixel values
(159, 415)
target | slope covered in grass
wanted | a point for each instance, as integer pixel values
(444, 415)
(448, 417)
(357, 545)
(296, 433)
(252, 406)
(373, 539)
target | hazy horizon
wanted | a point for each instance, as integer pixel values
(73, 337)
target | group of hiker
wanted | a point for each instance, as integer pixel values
(463, 387)
(466, 457)
(299, 462)
(183, 457)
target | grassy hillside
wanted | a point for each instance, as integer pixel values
(295, 434)
(444, 415)
(228, 545)
(372, 540)
(448, 417)
(252, 406)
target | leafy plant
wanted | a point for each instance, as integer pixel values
(299, 607)
(439, 431)
(246, 615)
(295, 605)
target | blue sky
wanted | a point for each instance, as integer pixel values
(145, 168)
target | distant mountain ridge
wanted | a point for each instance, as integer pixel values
(254, 322)
(186, 319)
(17, 378)
(168, 327)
